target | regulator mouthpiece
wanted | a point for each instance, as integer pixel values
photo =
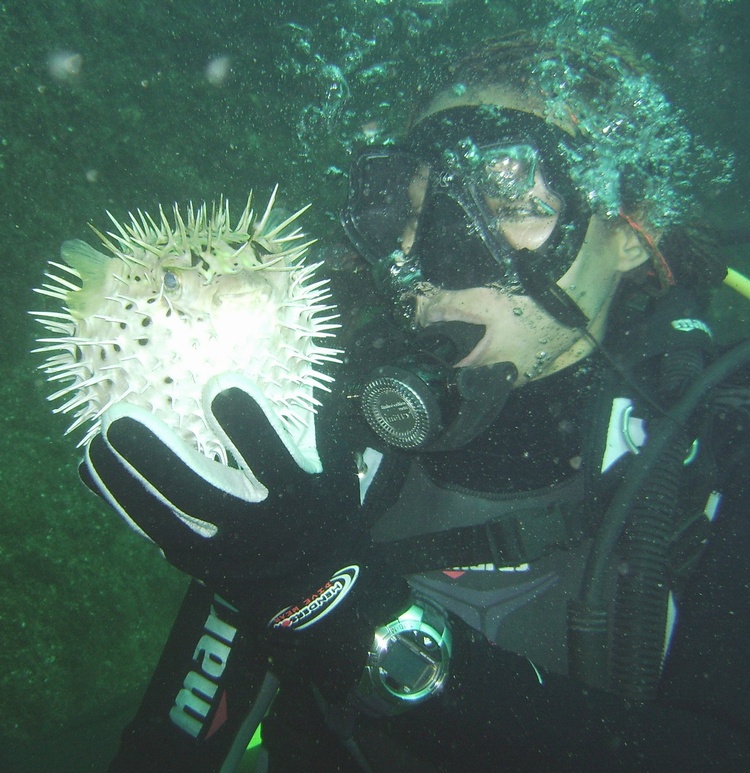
(422, 402)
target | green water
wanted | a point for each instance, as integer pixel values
(119, 105)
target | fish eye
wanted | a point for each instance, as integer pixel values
(171, 281)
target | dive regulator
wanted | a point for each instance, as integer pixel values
(423, 402)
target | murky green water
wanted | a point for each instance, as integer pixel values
(121, 105)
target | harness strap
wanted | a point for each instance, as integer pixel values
(434, 527)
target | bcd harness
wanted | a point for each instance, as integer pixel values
(434, 527)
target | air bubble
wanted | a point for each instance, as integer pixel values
(637, 150)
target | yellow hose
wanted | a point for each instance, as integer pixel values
(738, 282)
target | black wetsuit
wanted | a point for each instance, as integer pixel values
(509, 703)
(512, 706)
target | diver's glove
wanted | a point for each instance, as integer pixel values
(280, 543)
(264, 518)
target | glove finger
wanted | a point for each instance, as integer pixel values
(144, 512)
(127, 470)
(261, 444)
(151, 485)
(99, 469)
(103, 472)
(189, 463)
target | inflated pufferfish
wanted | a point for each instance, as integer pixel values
(172, 306)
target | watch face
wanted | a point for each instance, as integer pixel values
(408, 662)
(410, 659)
(407, 668)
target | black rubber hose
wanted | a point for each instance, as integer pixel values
(679, 369)
(642, 595)
(587, 615)
(641, 599)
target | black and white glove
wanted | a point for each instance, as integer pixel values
(272, 536)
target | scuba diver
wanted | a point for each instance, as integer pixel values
(527, 548)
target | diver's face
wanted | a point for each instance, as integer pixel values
(517, 329)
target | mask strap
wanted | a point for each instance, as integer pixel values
(553, 299)
(663, 271)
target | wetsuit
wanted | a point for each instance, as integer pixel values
(509, 702)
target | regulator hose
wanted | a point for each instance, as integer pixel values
(641, 599)
(587, 615)
(679, 370)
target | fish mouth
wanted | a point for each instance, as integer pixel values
(241, 296)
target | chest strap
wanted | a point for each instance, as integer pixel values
(435, 527)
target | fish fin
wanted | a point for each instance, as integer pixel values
(93, 267)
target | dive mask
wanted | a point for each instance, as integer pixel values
(476, 196)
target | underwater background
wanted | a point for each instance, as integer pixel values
(121, 105)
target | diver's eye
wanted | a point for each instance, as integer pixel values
(171, 282)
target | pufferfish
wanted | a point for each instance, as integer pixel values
(173, 304)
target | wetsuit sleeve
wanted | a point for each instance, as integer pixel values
(499, 712)
(207, 695)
